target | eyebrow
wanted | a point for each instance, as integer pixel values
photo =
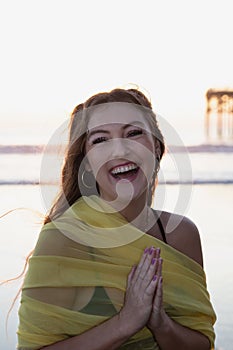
(103, 131)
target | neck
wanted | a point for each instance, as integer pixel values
(136, 212)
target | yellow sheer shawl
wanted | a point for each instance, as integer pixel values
(90, 246)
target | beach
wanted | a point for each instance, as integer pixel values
(56, 55)
(209, 204)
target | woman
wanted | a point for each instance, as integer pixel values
(104, 274)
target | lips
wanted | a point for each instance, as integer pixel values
(124, 171)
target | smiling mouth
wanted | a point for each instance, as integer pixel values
(124, 171)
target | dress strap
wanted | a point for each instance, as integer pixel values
(160, 227)
(162, 231)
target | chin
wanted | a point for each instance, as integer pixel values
(124, 197)
(124, 191)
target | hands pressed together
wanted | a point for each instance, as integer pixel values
(144, 292)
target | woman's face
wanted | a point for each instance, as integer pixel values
(120, 151)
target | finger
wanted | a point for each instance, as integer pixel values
(152, 286)
(158, 299)
(151, 272)
(157, 253)
(148, 268)
(141, 262)
(157, 257)
(131, 274)
(159, 267)
(144, 264)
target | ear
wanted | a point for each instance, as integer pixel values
(87, 166)
(157, 149)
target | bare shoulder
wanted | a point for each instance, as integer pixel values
(183, 235)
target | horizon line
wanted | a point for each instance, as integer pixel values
(39, 148)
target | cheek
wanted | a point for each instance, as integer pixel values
(146, 149)
(96, 160)
(147, 154)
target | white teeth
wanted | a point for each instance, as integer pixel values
(123, 169)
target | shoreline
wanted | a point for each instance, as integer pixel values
(38, 149)
(168, 182)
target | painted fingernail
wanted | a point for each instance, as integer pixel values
(158, 250)
(151, 250)
(153, 261)
(146, 250)
(154, 278)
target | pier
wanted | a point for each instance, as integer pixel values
(219, 115)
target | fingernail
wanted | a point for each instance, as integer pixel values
(153, 261)
(151, 250)
(158, 250)
(154, 278)
(146, 250)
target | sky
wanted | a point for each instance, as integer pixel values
(56, 54)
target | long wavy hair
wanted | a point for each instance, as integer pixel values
(71, 180)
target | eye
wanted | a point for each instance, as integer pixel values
(99, 140)
(135, 132)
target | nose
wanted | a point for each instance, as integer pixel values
(120, 148)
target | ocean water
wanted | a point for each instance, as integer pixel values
(208, 202)
(198, 167)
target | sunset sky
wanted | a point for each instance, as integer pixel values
(55, 54)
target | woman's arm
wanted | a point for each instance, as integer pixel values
(107, 336)
(168, 333)
(134, 315)
(172, 335)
